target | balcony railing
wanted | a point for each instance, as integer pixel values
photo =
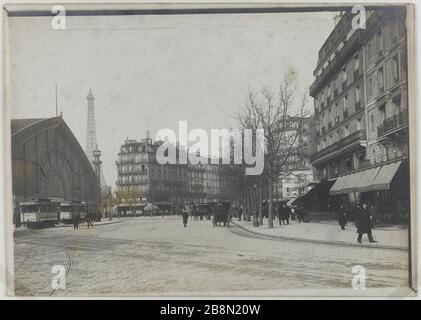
(358, 135)
(395, 122)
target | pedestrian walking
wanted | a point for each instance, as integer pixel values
(75, 220)
(185, 214)
(240, 213)
(300, 213)
(265, 211)
(293, 213)
(364, 224)
(342, 216)
(89, 220)
(286, 214)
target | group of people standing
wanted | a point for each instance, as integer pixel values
(76, 219)
(364, 220)
(285, 213)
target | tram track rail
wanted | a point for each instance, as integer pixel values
(69, 268)
(23, 260)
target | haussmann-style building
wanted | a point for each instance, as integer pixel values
(361, 114)
(142, 180)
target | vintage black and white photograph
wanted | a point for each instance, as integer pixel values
(210, 150)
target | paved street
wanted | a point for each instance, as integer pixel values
(158, 256)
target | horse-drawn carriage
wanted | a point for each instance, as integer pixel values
(221, 213)
(204, 210)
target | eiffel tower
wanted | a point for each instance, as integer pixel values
(91, 143)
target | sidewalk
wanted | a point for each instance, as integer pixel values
(329, 234)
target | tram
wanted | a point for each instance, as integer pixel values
(39, 212)
(68, 208)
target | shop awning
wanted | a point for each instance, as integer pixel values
(372, 179)
(366, 179)
(339, 185)
(385, 176)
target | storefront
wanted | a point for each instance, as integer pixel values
(385, 188)
(316, 199)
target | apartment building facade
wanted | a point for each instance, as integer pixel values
(361, 112)
(141, 179)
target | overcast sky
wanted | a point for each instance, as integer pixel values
(149, 72)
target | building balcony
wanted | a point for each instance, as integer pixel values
(393, 124)
(340, 146)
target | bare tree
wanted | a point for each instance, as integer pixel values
(272, 112)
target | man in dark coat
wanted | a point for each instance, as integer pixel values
(90, 219)
(265, 211)
(299, 211)
(342, 216)
(185, 214)
(286, 213)
(75, 220)
(240, 213)
(364, 223)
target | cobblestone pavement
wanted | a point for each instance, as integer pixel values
(158, 256)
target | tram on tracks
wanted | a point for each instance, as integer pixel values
(67, 209)
(39, 212)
